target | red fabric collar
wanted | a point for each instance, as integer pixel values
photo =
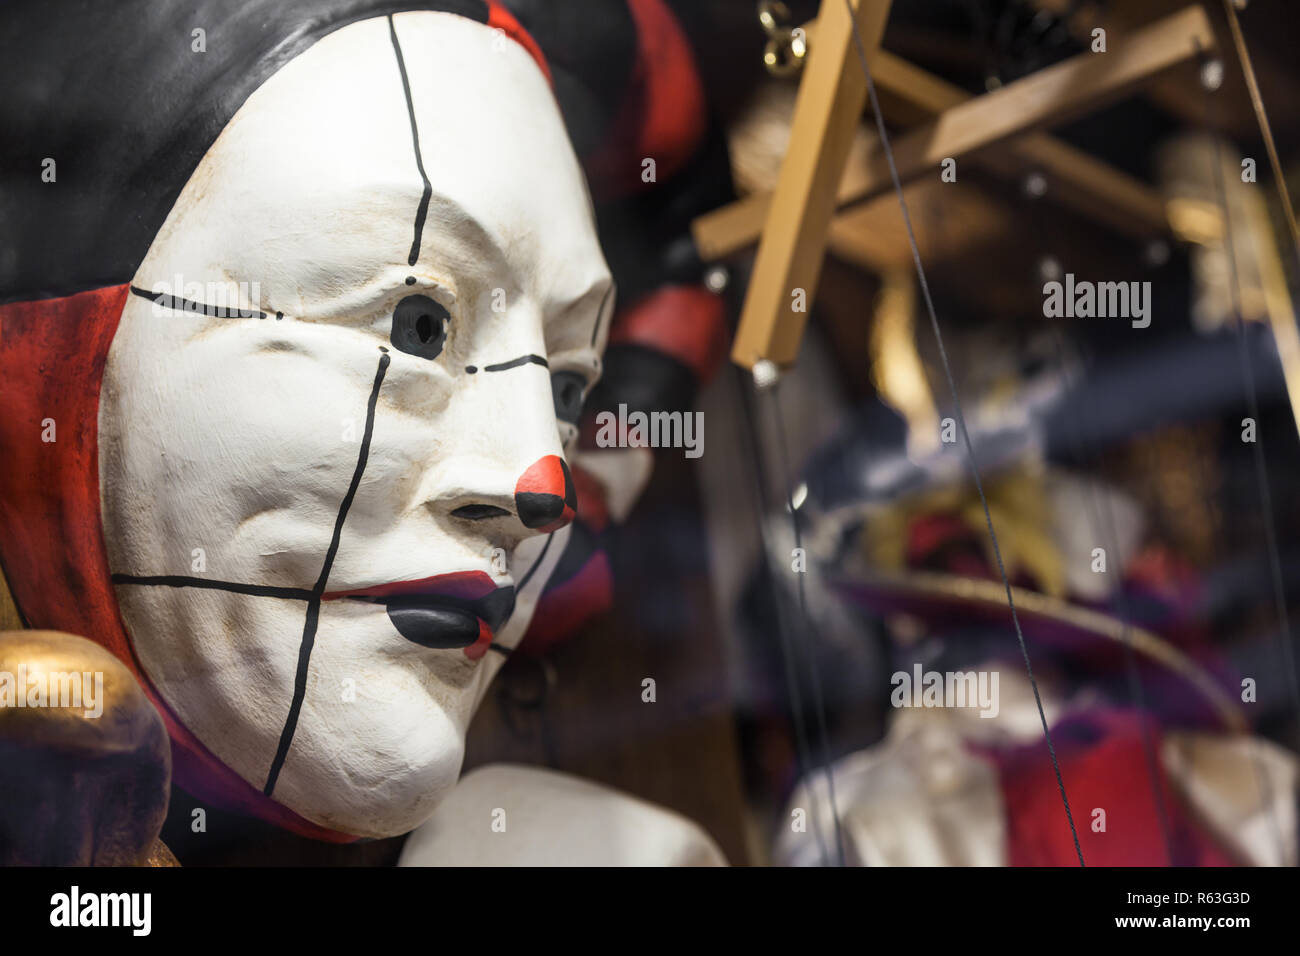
(499, 18)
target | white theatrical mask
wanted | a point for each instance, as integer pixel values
(329, 491)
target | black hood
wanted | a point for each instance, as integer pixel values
(115, 94)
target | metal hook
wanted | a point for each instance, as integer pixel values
(786, 46)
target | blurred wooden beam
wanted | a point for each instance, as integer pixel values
(1053, 95)
(1179, 92)
(911, 95)
(871, 235)
(1089, 186)
(798, 213)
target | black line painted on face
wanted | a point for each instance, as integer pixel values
(595, 332)
(423, 209)
(299, 692)
(523, 582)
(500, 649)
(313, 605)
(180, 581)
(515, 363)
(384, 361)
(186, 305)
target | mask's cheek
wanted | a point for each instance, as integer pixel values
(239, 445)
(381, 735)
(224, 663)
(226, 460)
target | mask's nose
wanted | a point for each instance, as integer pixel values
(545, 499)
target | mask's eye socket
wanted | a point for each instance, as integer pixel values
(567, 389)
(420, 326)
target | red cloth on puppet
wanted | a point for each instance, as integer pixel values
(1104, 767)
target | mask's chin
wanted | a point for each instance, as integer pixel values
(382, 773)
(378, 765)
(411, 798)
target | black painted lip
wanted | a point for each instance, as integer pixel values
(447, 621)
(493, 609)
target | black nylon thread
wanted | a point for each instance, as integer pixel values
(961, 418)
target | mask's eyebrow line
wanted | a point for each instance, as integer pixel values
(516, 362)
(168, 301)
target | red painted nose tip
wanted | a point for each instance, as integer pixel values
(545, 498)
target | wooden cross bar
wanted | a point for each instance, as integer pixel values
(829, 107)
(793, 222)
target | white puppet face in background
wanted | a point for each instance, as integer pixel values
(315, 518)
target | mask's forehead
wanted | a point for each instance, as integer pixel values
(315, 188)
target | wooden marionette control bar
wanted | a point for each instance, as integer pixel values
(1087, 185)
(792, 223)
(827, 112)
